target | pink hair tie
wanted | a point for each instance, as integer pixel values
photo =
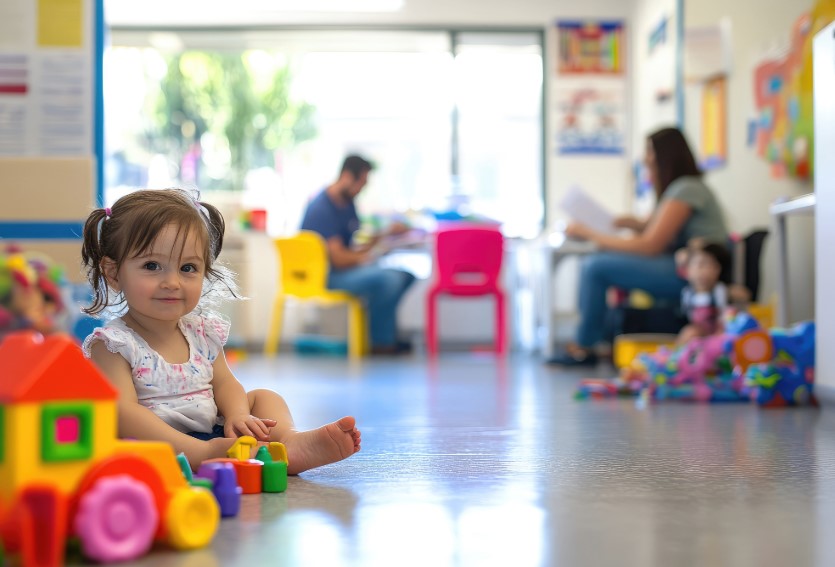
(107, 213)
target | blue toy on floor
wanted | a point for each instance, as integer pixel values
(774, 368)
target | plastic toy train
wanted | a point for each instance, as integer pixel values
(65, 474)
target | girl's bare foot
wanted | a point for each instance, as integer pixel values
(327, 444)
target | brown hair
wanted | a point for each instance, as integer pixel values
(673, 158)
(356, 165)
(131, 226)
(719, 253)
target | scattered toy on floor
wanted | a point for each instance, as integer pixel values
(746, 362)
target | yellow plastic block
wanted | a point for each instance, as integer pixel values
(242, 448)
(278, 451)
(628, 347)
(763, 313)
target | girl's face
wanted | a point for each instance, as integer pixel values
(703, 271)
(166, 281)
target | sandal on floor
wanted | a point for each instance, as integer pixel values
(573, 359)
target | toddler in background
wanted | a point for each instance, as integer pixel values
(153, 255)
(706, 266)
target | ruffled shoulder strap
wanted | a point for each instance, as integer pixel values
(213, 328)
(116, 338)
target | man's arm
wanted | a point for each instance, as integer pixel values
(342, 257)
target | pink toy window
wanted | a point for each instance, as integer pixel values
(66, 431)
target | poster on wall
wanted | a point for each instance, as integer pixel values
(661, 68)
(590, 120)
(46, 79)
(783, 132)
(714, 127)
(590, 47)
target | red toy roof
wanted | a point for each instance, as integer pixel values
(34, 368)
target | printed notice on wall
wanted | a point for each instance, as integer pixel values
(47, 68)
(60, 23)
(45, 104)
(591, 120)
(14, 98)
(14, 15)
(63, 105)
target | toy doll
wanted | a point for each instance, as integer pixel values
(30, 294)
(705, 297)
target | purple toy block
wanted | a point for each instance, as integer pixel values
(225, 486)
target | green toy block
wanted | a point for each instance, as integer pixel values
(182, 460)
(274, 477)
(263, 455)
(203, 483)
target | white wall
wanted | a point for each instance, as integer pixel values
(745, 186)
(414, 12)
(653, 72)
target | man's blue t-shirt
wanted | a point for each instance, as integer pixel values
(328, 219)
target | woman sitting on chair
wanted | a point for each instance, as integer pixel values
(685, 209)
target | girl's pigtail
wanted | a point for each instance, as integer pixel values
(217, 227)
(92, 253)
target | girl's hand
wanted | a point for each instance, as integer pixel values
(248, 425)
(211, 449)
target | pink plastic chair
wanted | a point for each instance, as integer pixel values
(468, 261)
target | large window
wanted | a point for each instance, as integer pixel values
(453, 121)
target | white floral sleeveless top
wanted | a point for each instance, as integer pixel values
(180, 394)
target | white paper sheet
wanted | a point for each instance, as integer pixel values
(582, 207)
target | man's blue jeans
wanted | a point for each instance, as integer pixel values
(654, 274)
(381, 290)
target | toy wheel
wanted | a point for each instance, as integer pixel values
(192, 518)
(753, 347)
(116, 519)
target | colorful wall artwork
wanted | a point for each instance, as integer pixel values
(590, 121)
(784, 131)
(714, 130)
(590, 47)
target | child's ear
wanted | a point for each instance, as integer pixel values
(111, 273)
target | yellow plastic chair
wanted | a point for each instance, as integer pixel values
(303, 269)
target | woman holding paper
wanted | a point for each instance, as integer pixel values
(685, 209)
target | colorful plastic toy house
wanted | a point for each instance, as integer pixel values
(64, 473)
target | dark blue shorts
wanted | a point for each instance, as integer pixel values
(217, 431)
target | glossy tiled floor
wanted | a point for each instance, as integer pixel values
(475, 463)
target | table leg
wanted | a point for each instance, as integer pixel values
(782, 271)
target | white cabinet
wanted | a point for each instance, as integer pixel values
(824, 110)
(251, 255)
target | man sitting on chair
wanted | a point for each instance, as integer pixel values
(333, 214)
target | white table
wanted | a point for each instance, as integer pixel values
(779, 210)
(553, 249)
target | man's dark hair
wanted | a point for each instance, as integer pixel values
(673, 158)
(356, 165)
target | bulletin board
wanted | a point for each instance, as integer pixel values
(51, 140)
